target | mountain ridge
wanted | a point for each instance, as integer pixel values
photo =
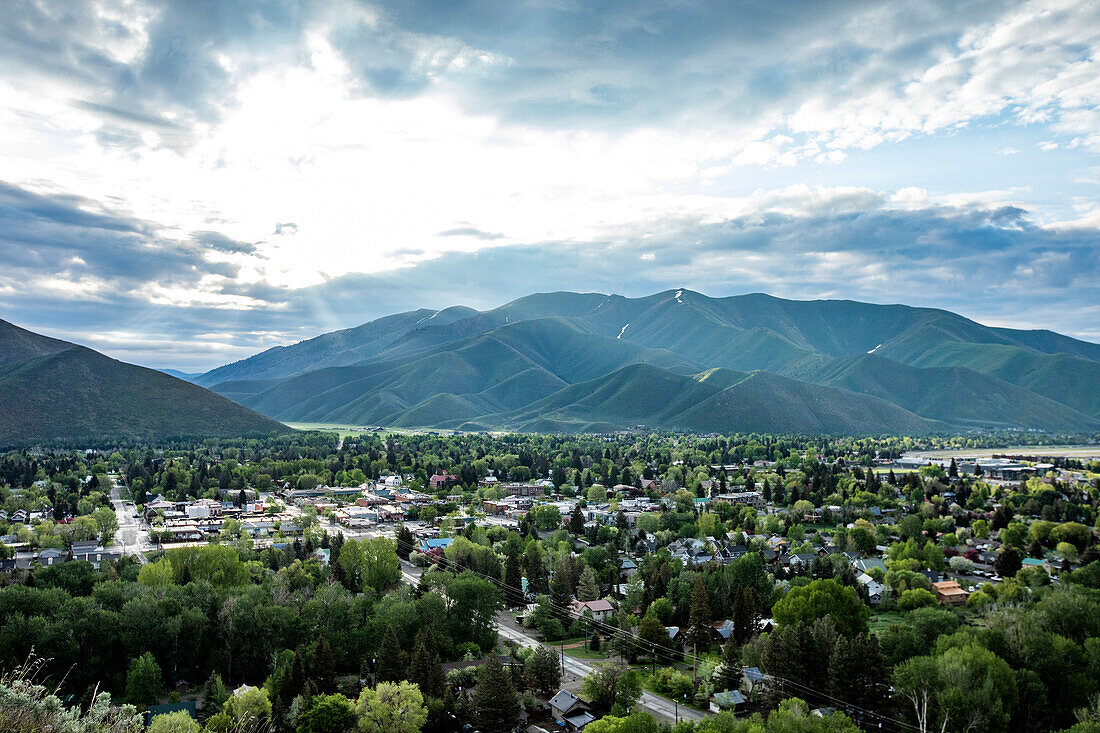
(928, 368)
(55, 390)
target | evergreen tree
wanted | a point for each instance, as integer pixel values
(405, 542)
(561, 596)
(324, 666)
(392, 663)
(542, 671)
(728, 674)
(513, 578)
(426, 668)
(699, 634)
(495, 703)
(588, 588)
(576, 521)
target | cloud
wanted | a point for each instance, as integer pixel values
(287, 228)
(123, 277)
(469, 231)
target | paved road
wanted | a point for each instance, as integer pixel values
(131, 538)
(655, 704)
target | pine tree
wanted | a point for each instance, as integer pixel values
(513, 578)
(405, 542)
(542, 671)
(588, 588)
(324, 666)
(746, 612)
(576, 521)
(728, 675)
(561, 596)
(700, 632)
(392, 664)
(495, 703)
(426, 668)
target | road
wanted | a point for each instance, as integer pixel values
(131, 538)
(658, 706)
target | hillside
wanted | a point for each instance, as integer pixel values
(76, 393)
(542, 360)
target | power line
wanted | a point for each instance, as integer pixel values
(672, 652)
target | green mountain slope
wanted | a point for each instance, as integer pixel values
(956, 395)
(82, 394)
(18, 344)
(720, 401)
(496, 365)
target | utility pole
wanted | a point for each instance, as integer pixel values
(694, 660)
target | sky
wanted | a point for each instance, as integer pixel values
(186, 183)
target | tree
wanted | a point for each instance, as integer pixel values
(542, 671)
(495, 704)
(652, 633)
(143, 681)
(608, 687)
(249, 708)
(177, 722)
(426, 668)
(576, 521)
(392, 707)
(917, 681)
(823, 598)
(1008, 562)
(328, 714)
(107, 522)
(915, 598)
(405, 542)
(727, 675)
(324, 666)
(214, 693)
(588, 587)
(513, 578)
(392, 662)
(699, 634)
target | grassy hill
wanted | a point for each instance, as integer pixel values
(493, 368)
(76, 393)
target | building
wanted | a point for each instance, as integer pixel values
(743, 498)
(601, 610)
(569, 711)
(440, 480)
(948, 593)
(728, 700)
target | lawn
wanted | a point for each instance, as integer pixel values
(881, 621)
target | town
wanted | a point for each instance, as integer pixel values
(671, 577)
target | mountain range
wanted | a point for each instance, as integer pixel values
(678, 360)
(56, 390)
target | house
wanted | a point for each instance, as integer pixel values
(440, 480)
(187, 706)
(801, 560)
(601, 610)
(428, 545)
(874, 588)
(628, 567)
(728, 700)
(743, 498)
(52, 556)
(865, 564)
(570, 711)
(752, 679)
(948, 593)
(93, 553)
